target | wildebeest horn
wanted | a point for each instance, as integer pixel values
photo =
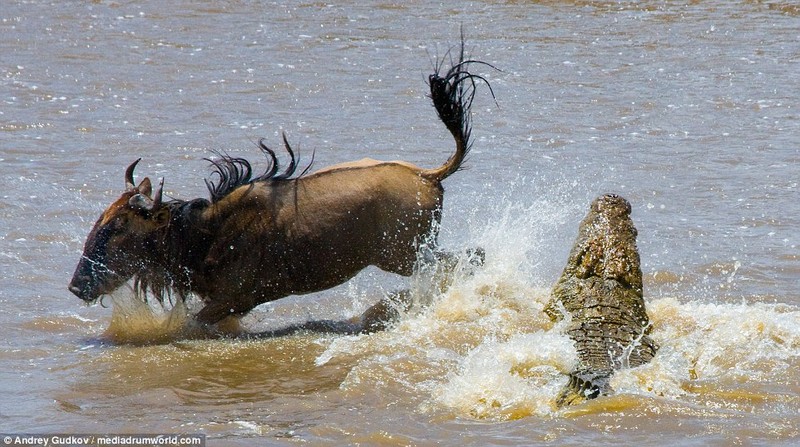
(129, 185)
(159, 194)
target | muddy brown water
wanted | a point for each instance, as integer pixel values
(688, 109)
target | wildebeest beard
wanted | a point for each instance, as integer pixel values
(174, 255)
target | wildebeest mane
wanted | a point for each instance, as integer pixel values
(164, 284)
(233, 172)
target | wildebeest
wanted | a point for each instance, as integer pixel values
(261, 238)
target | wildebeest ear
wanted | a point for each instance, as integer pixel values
(145, 187)
(161, 216)
(141, 201)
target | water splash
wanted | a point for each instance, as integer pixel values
(509, 379)
(134, 321)
(484, 348)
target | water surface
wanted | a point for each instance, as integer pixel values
(687, 109)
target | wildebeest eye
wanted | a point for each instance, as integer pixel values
(120, 221)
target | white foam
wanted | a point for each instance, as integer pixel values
(485, 349)
(509, 379)
(136, 321)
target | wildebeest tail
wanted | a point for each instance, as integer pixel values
(452, 93)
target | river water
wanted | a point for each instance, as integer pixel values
(689, 109)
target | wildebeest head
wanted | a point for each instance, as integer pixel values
(121, 242)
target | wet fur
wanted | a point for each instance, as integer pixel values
(264, 237)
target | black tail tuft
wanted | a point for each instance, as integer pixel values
(452, 93)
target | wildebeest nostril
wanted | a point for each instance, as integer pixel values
(75, 289)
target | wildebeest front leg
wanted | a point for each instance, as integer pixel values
(216, 311)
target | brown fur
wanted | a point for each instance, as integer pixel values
(261, 239)
(323, 229)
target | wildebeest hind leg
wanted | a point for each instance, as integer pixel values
(447, 261)
(475, 257)
(441, 266)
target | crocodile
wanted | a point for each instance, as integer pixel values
(600, 293)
